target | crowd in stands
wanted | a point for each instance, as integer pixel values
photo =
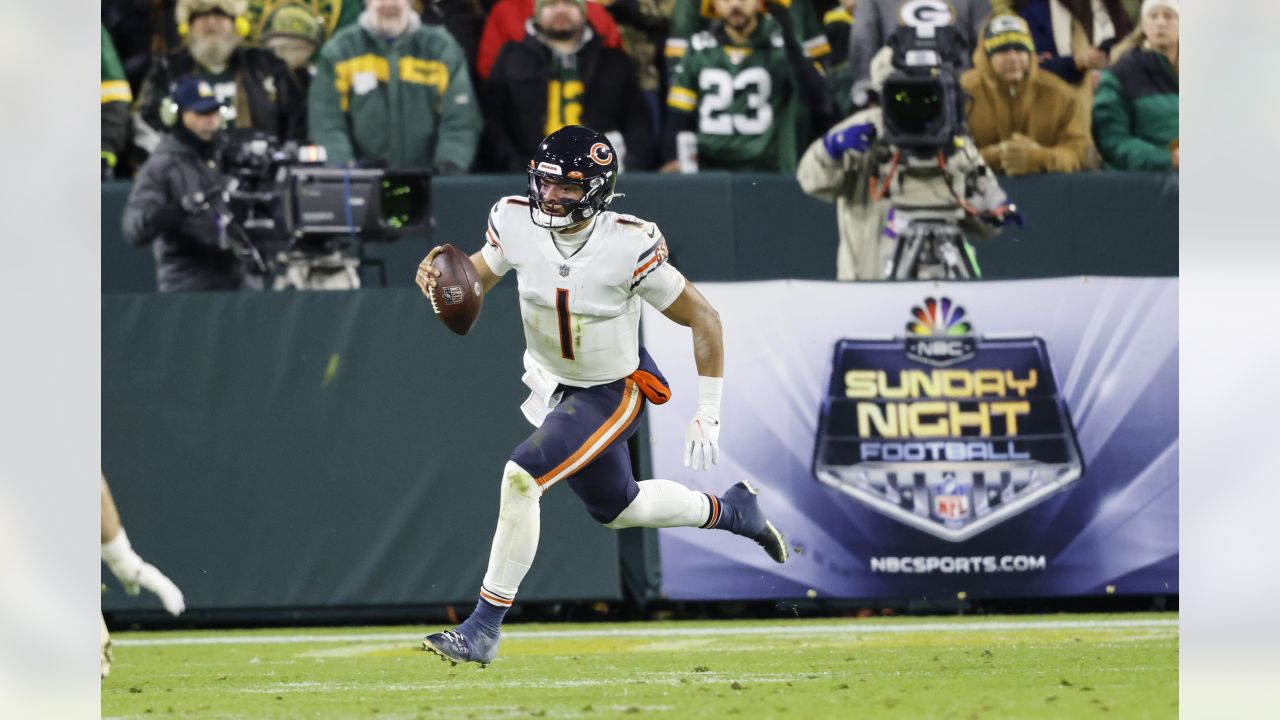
(472, 85)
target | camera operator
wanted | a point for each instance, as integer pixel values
(908, 181)
(170, 203)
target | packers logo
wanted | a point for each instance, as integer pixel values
(601, 154)
(926, 15)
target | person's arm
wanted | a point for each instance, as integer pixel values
(327, 110)
(702, 435)
(864, 39)
(495, 95)
(811, 88)
(1113, 131)
(116, 96)
(682, 109)
(460, 122)
(131, 570)
(149, 210)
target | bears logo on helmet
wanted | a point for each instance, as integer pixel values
(582, 157)
(601, 153)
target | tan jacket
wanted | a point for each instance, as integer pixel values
(863, 249)
(1041, 107)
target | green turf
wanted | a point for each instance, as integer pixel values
(765, 669)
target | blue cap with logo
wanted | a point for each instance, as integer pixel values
(195, 94)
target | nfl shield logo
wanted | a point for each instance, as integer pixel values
(951, 498)
(564, 271)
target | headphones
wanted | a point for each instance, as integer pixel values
(242, 27)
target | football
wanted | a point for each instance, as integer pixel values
(457, 296)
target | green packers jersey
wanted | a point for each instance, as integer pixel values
(744, 99)
(692, 16)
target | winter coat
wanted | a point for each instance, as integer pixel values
(116, 96)
(188, 248)
(506, 23)
(265, 100)
(1135, 112)
(863, 249)
(1041, 107)
(515, 102)
(408, 104)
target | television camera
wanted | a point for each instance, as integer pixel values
(936, 182)
(296, 224)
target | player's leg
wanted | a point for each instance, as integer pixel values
(586, 423)
(661, 503)
(612, 496)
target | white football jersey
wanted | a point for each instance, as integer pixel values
(582, 313)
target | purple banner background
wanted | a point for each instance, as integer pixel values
(1113, 343)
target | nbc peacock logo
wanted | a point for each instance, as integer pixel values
(938, 333)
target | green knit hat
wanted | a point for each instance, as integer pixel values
(1007, 31)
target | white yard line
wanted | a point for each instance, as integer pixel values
(849, 628)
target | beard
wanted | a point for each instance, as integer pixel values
(562, 33)
(213, 51)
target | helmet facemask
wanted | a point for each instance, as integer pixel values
(598, 192)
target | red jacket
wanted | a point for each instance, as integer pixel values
(506, 24)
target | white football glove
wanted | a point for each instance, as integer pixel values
(134, 574)
(702, 441)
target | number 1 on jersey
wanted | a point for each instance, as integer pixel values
(566, 329)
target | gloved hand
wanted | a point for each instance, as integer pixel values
(702, 441)
(1020, 155)
(854, 138)
(194, 202)
(134, 574)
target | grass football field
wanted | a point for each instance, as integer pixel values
(1049, 666)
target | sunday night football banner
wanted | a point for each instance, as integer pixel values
(919, 440)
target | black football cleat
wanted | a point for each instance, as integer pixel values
(749, 520)
(462, 645)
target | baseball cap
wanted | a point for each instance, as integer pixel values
(195, 94)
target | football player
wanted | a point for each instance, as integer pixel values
(583, 271)
(132, 571)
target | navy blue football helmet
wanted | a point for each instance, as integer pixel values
(572, 155)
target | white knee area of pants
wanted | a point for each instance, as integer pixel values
(663, 503)
(519, 485)
(515, 542)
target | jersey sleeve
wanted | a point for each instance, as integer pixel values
(654, 279)
(492, 252)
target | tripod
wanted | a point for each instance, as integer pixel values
(931, 249)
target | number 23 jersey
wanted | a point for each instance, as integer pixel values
(581, 314)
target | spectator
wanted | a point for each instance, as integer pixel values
(392, 91)
(689, 17)
(1061, 40)
(464, 19)
(876, 21)
(169, 204)
(561, 74)
(116, 96)
(508, 22)
(1135, 111)
(1022, 119)
(739, 86)
(1105, 22)
(253, 84)
(294, 32)
(334, 14)
(140, 30)
(836, 24)
(644, 25)
(838, 168)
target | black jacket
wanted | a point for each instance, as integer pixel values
(514, 99)
(187, 247)
(267, 98)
